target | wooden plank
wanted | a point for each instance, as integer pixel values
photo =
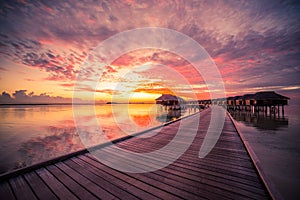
(97, 178)
(193, 182)
(169, 185)
(41, 190)
(220, 178)
(115, 179)
(56, 186)
(216, 181)
(76, 188)
(164, 188)
(5, 191)
(182, 167)
(193, 150)
(195, 162)
(268, 184)
(201, 191)
(188, 155)
(89, 185)
(21, 188)
(208, 194)
(153, 192)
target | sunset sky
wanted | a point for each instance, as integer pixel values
(43, 44)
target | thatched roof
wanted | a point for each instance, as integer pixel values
(237, 97)
(248, 96)
(230, 98)
(269, 95)
(168, 97)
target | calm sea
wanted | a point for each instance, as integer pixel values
(34, 133)
(276, 142)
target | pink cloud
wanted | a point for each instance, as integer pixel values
(263, 50)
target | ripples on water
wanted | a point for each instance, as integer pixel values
(34, 133)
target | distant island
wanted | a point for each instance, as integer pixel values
(111, 102)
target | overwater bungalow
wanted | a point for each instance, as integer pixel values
(270, 98)
(267, 101)
(244, 102)
(169, 100)
(230, 101)
(205, 103)
(249, 99)
(221, 101)
(238, 100)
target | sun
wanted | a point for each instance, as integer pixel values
(143, 97)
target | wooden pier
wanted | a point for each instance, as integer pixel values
(227, 172)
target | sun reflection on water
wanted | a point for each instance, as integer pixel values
(31, 134)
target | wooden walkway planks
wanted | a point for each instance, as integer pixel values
(227, 172)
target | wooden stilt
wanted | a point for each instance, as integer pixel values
(266, 110)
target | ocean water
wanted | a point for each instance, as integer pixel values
(31, 134)
(276, 143)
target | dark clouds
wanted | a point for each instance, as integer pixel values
(60, 65)
(22, 96)
(254, 43)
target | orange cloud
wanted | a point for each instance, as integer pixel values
(155, 90)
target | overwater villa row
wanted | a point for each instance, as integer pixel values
(267, 101)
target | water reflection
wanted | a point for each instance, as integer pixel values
(59, 140)
(35, 133)
(142, 120)
(259, 120)
(168, 113)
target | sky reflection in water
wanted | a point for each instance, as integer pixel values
(31, 134)
(275, 141)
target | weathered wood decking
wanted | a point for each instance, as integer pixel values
(227, 172)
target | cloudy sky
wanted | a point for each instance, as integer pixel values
(44, 44)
